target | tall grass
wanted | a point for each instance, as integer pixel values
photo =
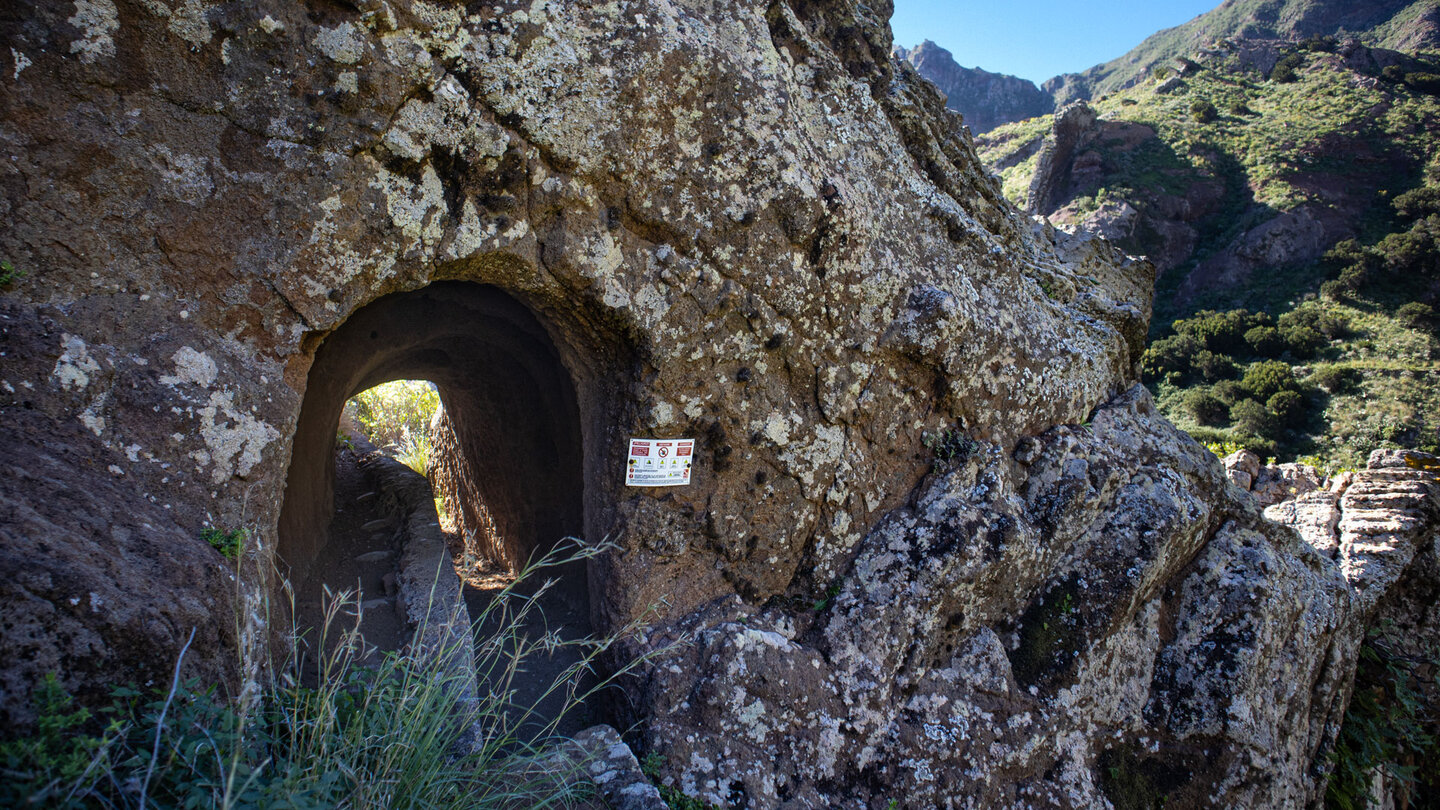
(400, 734)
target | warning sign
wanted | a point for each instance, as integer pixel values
(659, 462)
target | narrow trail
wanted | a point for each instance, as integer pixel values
(359, 555)
(540, 681)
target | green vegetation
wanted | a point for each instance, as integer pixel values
(1389, 726)
(396, 416)
(228, 543)
(1357, 328)
(324, 734)
(949, 446)
(8, 273)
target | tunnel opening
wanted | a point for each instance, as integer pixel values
(505, 451)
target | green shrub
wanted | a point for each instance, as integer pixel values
(392, 413)
(1284, 70)
(1228, 392)
(1417, 203)
(1288, 407)
(1213, 367)
(228, 543)
(1332, 325)
(1336, 379)
(1221, 332)
(1302, 341)
(1389, 726)
(1267, 378)
(1265, 341)
(8, 273)
(1204, 407)
(1424, 82)
(1416, 315)
(1251, 418)
(1169, 355)
(1203, 111)
(1393, 74)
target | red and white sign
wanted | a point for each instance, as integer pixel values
(659, 462)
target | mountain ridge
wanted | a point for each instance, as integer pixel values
(984, 99)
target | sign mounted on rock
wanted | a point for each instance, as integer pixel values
(659, 462)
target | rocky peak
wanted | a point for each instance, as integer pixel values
(985, 100)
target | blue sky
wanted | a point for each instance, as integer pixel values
(1037, 39)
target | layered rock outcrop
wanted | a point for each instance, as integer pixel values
(938, 546)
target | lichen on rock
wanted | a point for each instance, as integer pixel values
(741, 223)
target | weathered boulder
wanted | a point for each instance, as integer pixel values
(938, 546)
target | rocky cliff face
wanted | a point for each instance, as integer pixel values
(938, 547)
(984, 99)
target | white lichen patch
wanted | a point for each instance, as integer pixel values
(75, 365)
(186, 21)
(97, 21)
(235, 440)
(344, 43)
(193, 367)
(417, 209)
(21, 62)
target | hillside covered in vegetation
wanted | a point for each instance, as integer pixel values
(1289, 194)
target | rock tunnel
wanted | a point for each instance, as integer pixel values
(508, 399)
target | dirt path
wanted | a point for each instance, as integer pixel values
(540, 681)
(360, 555)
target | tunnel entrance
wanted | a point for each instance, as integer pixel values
(505, 448)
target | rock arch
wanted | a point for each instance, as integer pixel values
(509, 399)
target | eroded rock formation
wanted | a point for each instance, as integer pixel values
(938, 546)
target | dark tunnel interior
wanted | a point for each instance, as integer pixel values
(516, 445)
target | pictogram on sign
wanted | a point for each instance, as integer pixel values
(659, 462)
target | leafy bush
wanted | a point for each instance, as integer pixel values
(1204, 407)
(1417, 316)
(1417, 203)
(1228, 392)
(8, 273)
(1424, 82)
(228, 543)
(1389, 726)
(1171, 355)
(1267, 378)
(395, 411)
(1213, 367)
(1302, 341)
(1393, 74)
(1203, 111)
(1288, 407)
(1336, 379)
(1284, 70)
(1221, 332)
(1251, 418)
(1265, 341)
